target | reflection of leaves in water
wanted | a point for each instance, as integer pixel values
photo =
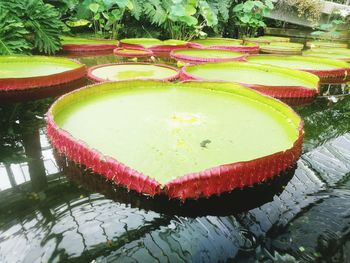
(16, 120)
(325, 120)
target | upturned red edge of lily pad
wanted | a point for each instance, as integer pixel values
(213, 181)
(94, 78)
(20, 84)
(330, 76)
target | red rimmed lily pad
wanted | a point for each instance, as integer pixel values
(157, 46)
(283, 48)
(133, 53)
(184, 140)
(292, 86)
(325, 44)
(128, 71)
(332, 53)
(199, 55)
(226, 44)
(328, 70)
(74, 44)
(20, 73)
(266, 39)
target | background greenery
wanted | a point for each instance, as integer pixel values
(35, 25)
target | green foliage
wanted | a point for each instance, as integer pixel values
(181, 19)
(249, 16)
(38, 27)
(104, 16)
(12, 34)
(331, 28)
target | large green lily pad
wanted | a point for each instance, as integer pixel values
(202, 55)
(127, 71)
(266, 39)
(335, 53)
(299, 62)
(254, 74)
(328, 70)
(149, 42)
(282, 48)
(86, 41)
(207, 42)
(325, 44)
(34, 66)
(166, 130)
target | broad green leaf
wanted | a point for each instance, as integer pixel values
(80, 22)
(117, 14)
(245, 19)
(269, 4)
(238, 8)
(208, 14)
(94, 7)
(190, 10)
(122, 3)
(248, 6)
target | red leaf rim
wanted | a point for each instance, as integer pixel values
(216, 180)
(198, 60)
(8, 84)
(147, 53)
(92, 77)
(280, 92)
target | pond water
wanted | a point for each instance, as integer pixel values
(54, 211)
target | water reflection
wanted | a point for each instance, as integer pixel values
(45, 217)
(10, 97)
(225, 204)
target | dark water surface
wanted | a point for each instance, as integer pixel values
(53, 211)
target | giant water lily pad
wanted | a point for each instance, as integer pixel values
(198, 55)
(328, 70)
(286, 48)
(325, 44)
(210, 42)
(127, 71)
(185, 140)
(293, 86)
(124, 52)
(266, 39)
(333, 53)
(153, 44)
(74, 44)
(226, 44)
(28, 72)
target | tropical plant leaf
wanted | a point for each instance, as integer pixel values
(136, 11)
(208, 13)
(44, 23)
(155, 12)
(12, 35)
